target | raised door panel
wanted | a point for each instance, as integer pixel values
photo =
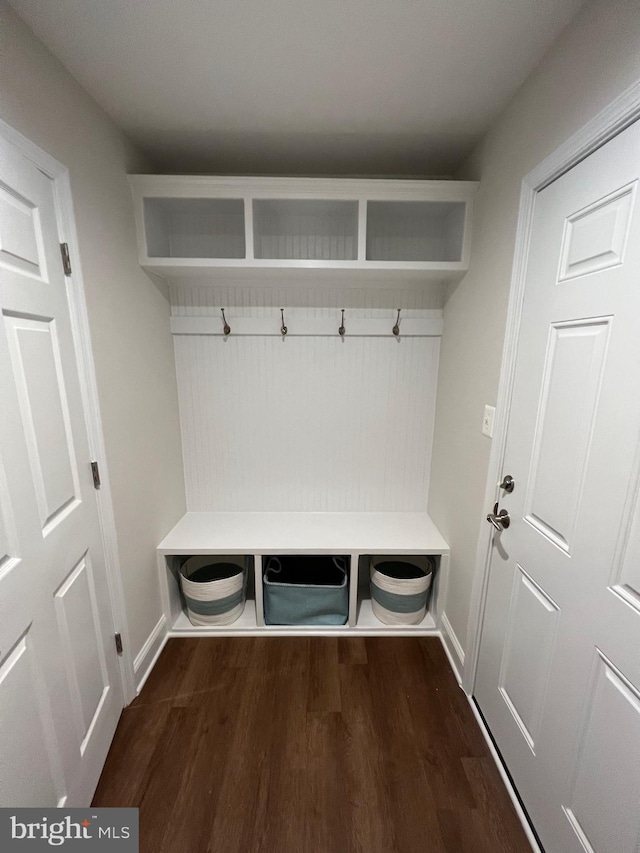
(595, 238)
(627, 582)
(603, 808)
(45, 414)
(528, 653)
(29, 772)
(8, 537)
(21, 241)
(79, 627)
(576, 355)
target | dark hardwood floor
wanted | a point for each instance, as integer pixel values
(307, 745)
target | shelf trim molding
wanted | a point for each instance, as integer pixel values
(350, 189)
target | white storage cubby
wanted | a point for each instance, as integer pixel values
(357, 535)
(213, 227)
(404, 231)
(305, 229)
(194, 227)
(365, 617)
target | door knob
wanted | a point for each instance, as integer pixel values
(499, 519)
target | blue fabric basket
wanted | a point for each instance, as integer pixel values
(290, 600)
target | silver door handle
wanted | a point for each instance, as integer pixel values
(499, 519)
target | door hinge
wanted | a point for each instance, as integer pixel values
(66, 260)
(119, 644)
(95, 472)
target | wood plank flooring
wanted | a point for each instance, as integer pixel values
(307, 745)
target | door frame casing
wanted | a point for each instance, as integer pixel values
(79, 317)
(621, 112)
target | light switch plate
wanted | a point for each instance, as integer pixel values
(487, 421)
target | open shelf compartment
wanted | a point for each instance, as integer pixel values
(365, 619)
(305, 229)
(409, 231)
(194, 227)
(304, 590)
(177, 609)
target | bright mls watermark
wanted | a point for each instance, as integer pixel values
(69, 829)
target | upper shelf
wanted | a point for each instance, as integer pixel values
(247, 227)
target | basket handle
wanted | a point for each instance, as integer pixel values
(341, 564)
(271, 569)
(338, 562)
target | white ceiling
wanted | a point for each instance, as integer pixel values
(301, 86)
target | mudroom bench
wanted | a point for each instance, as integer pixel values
(257, 535)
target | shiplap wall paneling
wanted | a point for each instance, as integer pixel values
(191, 298)
(415, 230)
(305, 229)
(194, 227)
(306, 423)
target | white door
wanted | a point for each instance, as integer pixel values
(60, 691)
(559, 670)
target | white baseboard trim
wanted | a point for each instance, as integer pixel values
(148, 655)
(452, 660)
(505, 778)
(452, 646)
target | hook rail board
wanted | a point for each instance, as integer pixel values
(304, 326)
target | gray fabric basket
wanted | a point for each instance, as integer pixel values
(397, 598)
(288, 600)
(218, 601)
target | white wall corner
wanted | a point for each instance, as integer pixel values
(150, 652)
(452, 646)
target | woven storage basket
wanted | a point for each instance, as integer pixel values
(306, 590)
(214, 589)
(400, 588)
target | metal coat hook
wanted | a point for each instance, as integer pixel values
(283, 328)
(342, 329)
(396, 328)
(226, 328)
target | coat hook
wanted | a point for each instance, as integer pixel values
(342, 330)
(396, 328)
(226, 328)
(283, 328)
